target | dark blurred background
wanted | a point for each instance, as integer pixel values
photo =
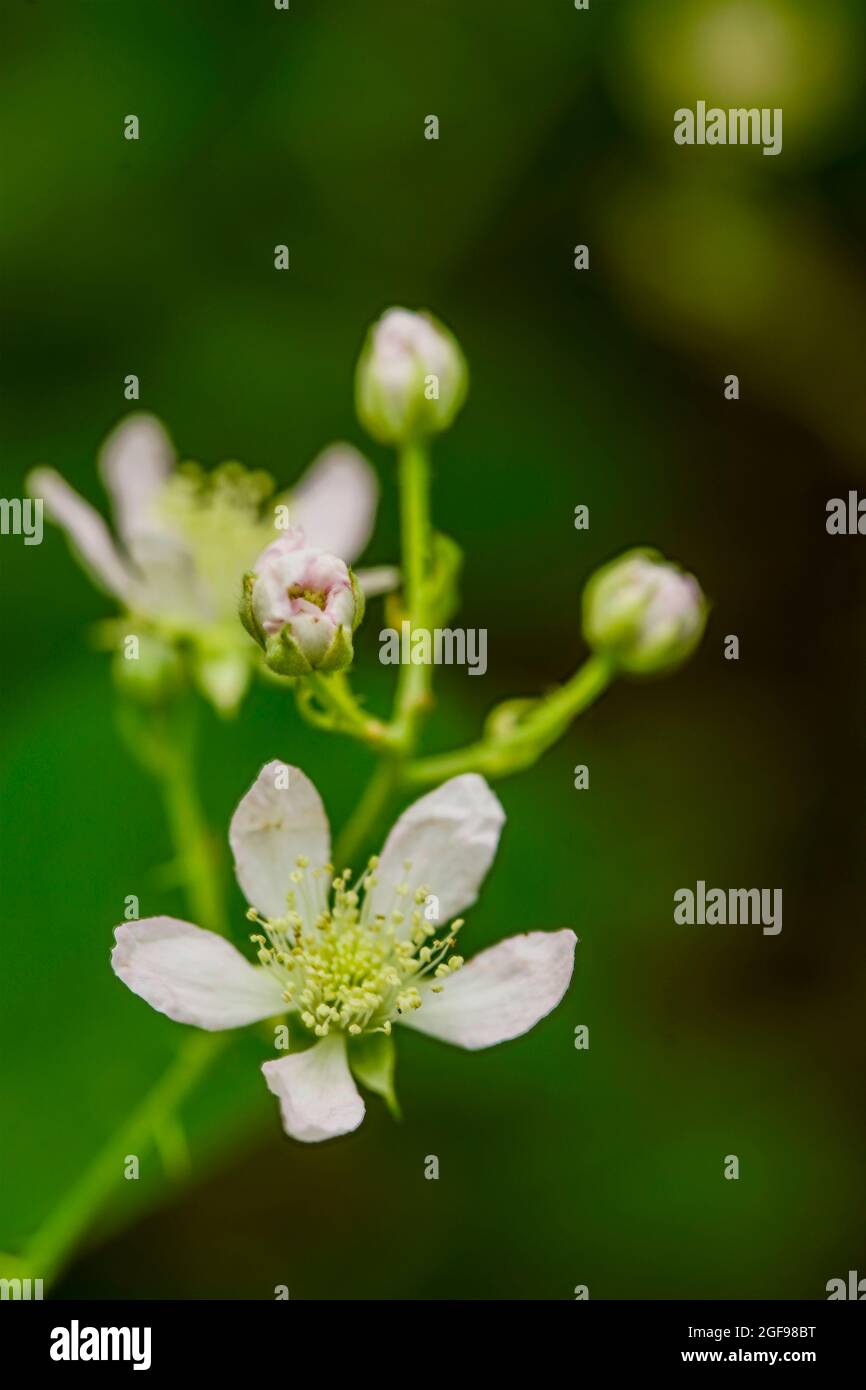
(558, 1167)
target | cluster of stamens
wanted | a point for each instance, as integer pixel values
(218, 515)
(342, 967)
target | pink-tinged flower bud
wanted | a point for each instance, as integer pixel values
(302, 606)
(411, 378)
(644, 613)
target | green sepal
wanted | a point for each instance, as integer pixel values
(372, 1059)
(504, 719)
(339, 653)
(246, 611)
(284, 656)
(443, 596)
(663, 658)
(360, 601)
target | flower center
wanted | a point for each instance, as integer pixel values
(218, 517)
(311, 595)
(343, 968)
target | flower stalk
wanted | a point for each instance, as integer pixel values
(165, 746)
(413, 689)
(201, 867)
(344, 714)
(518, 743)
(49, 1249)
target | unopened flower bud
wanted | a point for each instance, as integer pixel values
(302, 606)
(411, 378)
(644, 613)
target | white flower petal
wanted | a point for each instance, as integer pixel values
(279, 818)
(166, 584)
(85, 528)
(284, 572)
(135, 461)
(449, 837)
(335, 502)
(382, 579)
(501, 993)
(318, 1098)
(192, 975)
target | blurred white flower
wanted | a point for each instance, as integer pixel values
(185, 537)
(346, 960)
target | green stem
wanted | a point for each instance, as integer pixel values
(191, 835)
(413, 688)
(167, 749)
(414, 470)
(335, 694)
(47, 1252)
(521, 746)
(170, 1139)
(369, 811)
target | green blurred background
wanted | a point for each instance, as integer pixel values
(558, 1167)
